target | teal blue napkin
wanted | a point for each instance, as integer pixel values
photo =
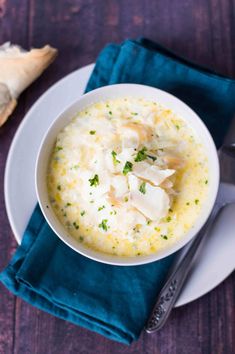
(114, 301)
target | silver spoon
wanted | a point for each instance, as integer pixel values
(172, 288)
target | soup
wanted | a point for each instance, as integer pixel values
(127, 177)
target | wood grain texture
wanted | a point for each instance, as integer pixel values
(203, 31)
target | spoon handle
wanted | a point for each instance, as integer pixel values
(169, 293)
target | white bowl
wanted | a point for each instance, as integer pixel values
(105, 93)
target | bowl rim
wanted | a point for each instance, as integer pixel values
(137, 260)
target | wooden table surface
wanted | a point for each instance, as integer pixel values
(202, 31)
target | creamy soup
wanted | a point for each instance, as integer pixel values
(127, 177)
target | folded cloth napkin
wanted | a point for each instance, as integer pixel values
(111, 300)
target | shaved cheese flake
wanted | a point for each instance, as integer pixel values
(154, 203)
(120, 185)
(151, 173)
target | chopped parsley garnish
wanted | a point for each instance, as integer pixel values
(187, 203)
(206, 181)
(110, 112)
(152, 157)
(101, 208)
(196, 201)
(115, 160)
(103, 225)
(177, 126)
(168, 219)
(68, 204)
(92, 132)
(113, 212)
(75, 167)
(149, 222)
(170, 210)
(82, 213)
(58, 148)
(81, 238)
(75, 225)
(134, 113)
(141, 155)
(59, 187)
(142, 188)
(127, 168)
(164, 237)
(126, 199)
(94, 181)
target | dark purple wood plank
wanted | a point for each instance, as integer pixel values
(202, 31)
(13, 27)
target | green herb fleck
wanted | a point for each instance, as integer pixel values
(196, 201)
(168, 219)
(83, 213)
(59, 187)
(68, 204)
(142, 188)
(58, 148)
(115, 160)
(187, 203)
(94, 181)
(103, 225)
(149, 222)
(75, 225)
(110, 112)
(164, 237)
(170, 210)
(152, 157)
(138, 254)
(92, 132)
(81, 238)
(206, 181)
(126, 199)
(177, 126)
(134, 113)
(101, 208)
(141, 155)
(127, 168)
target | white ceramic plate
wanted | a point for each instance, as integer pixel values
(216, 260)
